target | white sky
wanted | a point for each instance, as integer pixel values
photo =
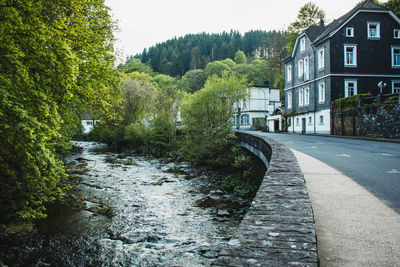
(143, 23)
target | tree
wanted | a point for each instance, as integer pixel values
(240, 57)
(135, 64)
(393, 5)
(216, 67)
(229, 62)
(164, 80)
(206, 116)
(56, 59)
(250, 71)
(308, 15)
(192, 81)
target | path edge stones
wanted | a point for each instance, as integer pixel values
(279, 227)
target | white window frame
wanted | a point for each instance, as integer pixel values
(378, 30)
(321, 120)
(290, 100)
(289, 73)
(395, 90)
(297, 121)
(300, 68)
(306, 96)
(302, 44)
(321, 92)
(349, 32)
(396, 33)
(301, 97)
(306, 66)
(354, 64)
(397, 65)
(310, 121)
(321, 59)
(346, 87)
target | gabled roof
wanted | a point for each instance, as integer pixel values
(313, 32)
(317, 34)
(367, 6)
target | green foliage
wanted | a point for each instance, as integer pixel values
(229, 62)
(216, 68)
(136, 65)
(192, 81)
(393, 5)
(56, 60)
(247, 175)
(163, 80)
(206, 116)
(308, 15)
(240, 57)
(177, 56)
(251, 71)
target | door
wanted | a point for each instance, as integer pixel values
(303, 125)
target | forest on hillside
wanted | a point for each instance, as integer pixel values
(176, 56)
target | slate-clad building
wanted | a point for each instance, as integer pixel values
(349, 56)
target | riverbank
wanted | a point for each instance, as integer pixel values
(164, 214)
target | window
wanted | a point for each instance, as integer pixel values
(350, 88)
(297, 121)
(244, 119)
(306, 96)
(310, 120)
(302, 44)
(306, 69)
(321, 93)
(321, 120)
(300, 68)
(289, 100)
(289, 122)
(396, 87)
(374, 30)
(396, 33)
(301, 97)
(396, 56)
(349, 32)
(350, 55)
(321, 58)
(289, 73)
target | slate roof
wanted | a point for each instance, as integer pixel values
(320, 33)
(368, 5)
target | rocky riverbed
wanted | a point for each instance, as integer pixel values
(133, 211)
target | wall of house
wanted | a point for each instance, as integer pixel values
(315, 127)
(373, 56)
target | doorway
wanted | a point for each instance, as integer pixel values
(303, 125)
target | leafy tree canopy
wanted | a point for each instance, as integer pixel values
(240, 57)
(308, 15)
(56, 60)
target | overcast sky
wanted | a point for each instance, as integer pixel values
(143, 23)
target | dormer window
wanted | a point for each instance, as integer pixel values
(302, 44)
(374, 31)
(396, 33)
(349, 32)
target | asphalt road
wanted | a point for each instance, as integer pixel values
(374, 165)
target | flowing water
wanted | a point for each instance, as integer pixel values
(165, 214)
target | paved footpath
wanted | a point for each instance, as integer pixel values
(354, 228)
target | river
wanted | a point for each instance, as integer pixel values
(137, 211)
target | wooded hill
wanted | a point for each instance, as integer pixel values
(194, 51)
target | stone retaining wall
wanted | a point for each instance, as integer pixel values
(278, 229)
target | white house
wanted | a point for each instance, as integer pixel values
(88, 122)
(260, 103)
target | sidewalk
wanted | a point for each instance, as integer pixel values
(354, 228)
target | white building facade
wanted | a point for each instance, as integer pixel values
(260, 103)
